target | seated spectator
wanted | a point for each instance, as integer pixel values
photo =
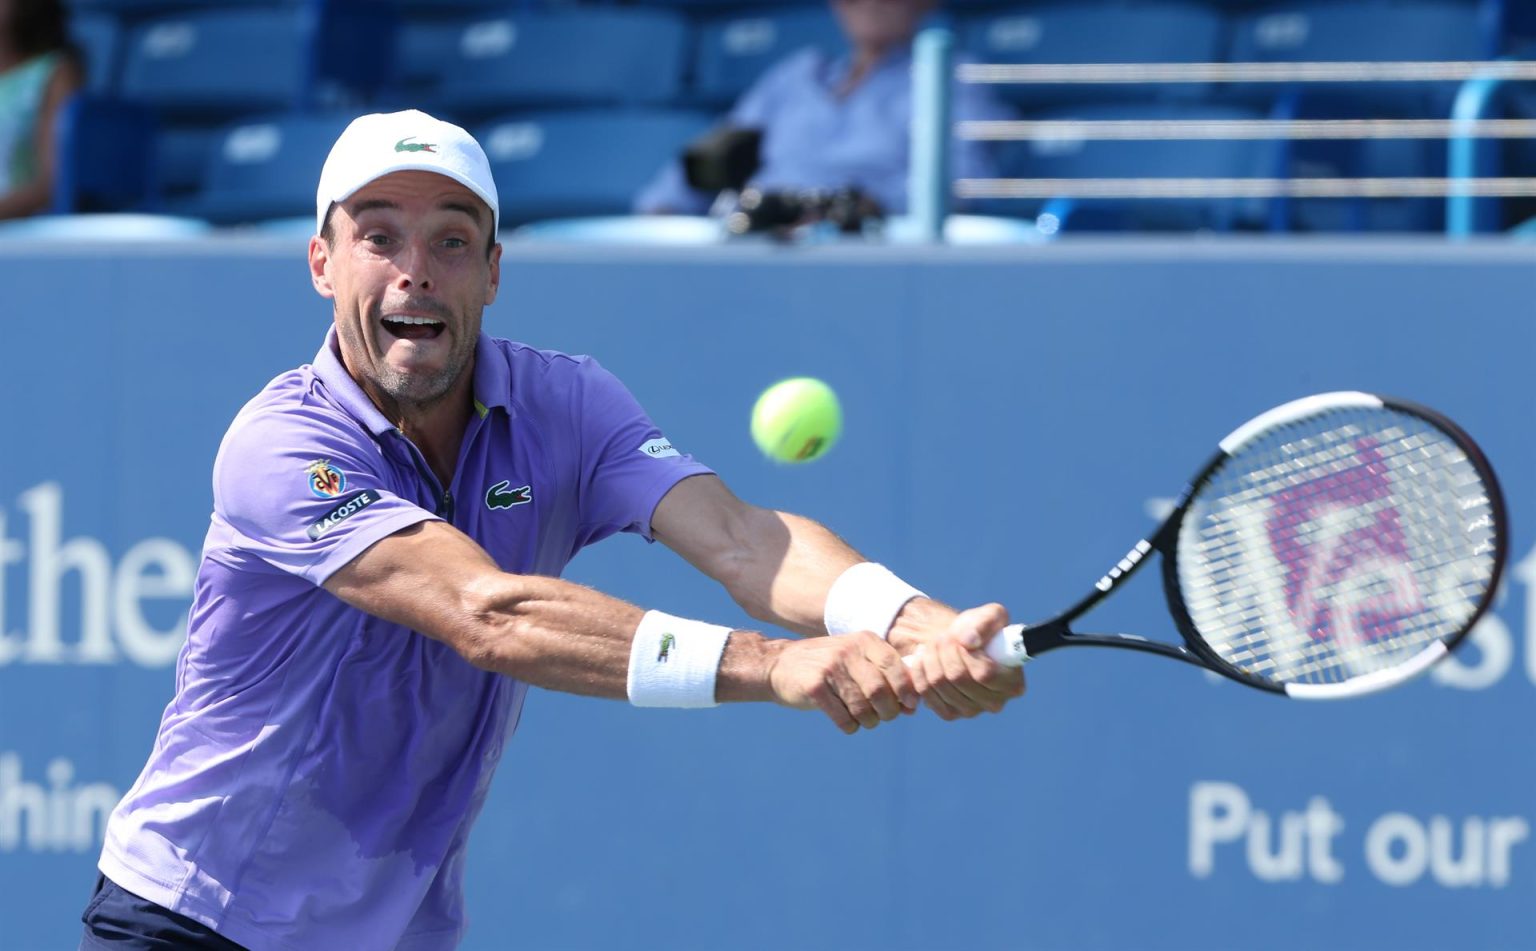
(838, 123)
(38, 72)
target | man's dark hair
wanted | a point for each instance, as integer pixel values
(38, 26)
(328, 233)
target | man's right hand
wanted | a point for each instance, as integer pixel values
(857, 680)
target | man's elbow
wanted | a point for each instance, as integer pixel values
(487, 635)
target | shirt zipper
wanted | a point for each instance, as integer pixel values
(444, 496)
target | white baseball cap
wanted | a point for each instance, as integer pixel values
(376, 145)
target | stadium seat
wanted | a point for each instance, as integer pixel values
(734, 50)
(1087, 158)
(423, 48)
(1368, 158)
(718, 5)
(579, 56)
(1095, 31)
(104, 156)
(141, 8)
(586, 163)
(97, 36)
(266, 169)
(217, 63)
(1365, 31)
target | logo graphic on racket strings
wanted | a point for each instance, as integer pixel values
(1339, 538)
(667, 643)
(502, 496)
(325, 480)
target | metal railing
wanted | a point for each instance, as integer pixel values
(1464, 130)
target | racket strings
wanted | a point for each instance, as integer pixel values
(1337, 545)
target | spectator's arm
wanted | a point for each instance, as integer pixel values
(36, 195)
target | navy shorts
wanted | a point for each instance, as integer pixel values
(118, 920)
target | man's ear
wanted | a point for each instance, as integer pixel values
(493, 284)
(319, 267)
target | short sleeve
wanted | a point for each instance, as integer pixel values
(627, 463)
(306, 489)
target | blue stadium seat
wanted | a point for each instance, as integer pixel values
(104, 156)
(1366, 31)
(97, 36)
(218, 63)
(715, 6)
(141, 7)
(1086, 158)
(1369, 158)
(580, 56)
(1363, 31)
(266, 169)
(424, 48)
(182, 153)
(733, 51)
(1095, 31)
(571, 164)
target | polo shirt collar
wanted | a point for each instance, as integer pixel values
(492, 385)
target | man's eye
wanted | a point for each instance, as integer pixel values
(377, 240)
(454, 242)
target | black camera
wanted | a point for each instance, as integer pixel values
(757, 210)
(725, 159)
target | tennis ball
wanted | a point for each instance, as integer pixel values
(797, 420)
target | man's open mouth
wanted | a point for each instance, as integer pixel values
(413, 328)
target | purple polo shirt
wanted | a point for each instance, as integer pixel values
(316, 775)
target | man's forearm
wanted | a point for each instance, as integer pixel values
(786, 583)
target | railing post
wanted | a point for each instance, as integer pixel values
(1468, 158)
(928, 186)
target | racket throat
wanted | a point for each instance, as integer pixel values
(1054, 634)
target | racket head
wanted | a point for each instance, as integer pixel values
(1335, 546)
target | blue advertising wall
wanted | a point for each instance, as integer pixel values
(1014, 421)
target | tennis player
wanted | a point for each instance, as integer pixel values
(379, 589)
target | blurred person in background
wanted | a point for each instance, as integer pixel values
(39, 71)
(837, 123)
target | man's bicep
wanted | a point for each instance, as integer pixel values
(426, 577)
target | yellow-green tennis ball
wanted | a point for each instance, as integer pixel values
(797, 420)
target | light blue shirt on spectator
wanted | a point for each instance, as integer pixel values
(815, 139)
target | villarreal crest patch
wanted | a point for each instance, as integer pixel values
(325, 480)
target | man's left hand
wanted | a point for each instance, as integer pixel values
(944, 653)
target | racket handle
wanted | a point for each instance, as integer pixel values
(1007, 646)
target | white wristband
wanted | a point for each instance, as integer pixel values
(673, 661)
(866, 597)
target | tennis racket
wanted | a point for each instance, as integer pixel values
(1334, 546)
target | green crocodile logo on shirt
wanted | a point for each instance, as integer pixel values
(406, 145)
(502, 496)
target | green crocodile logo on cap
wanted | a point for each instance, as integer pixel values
(406, 145)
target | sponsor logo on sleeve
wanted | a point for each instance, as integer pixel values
(325, 480)
(658, 448)
(503, 496)
(341, 513)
